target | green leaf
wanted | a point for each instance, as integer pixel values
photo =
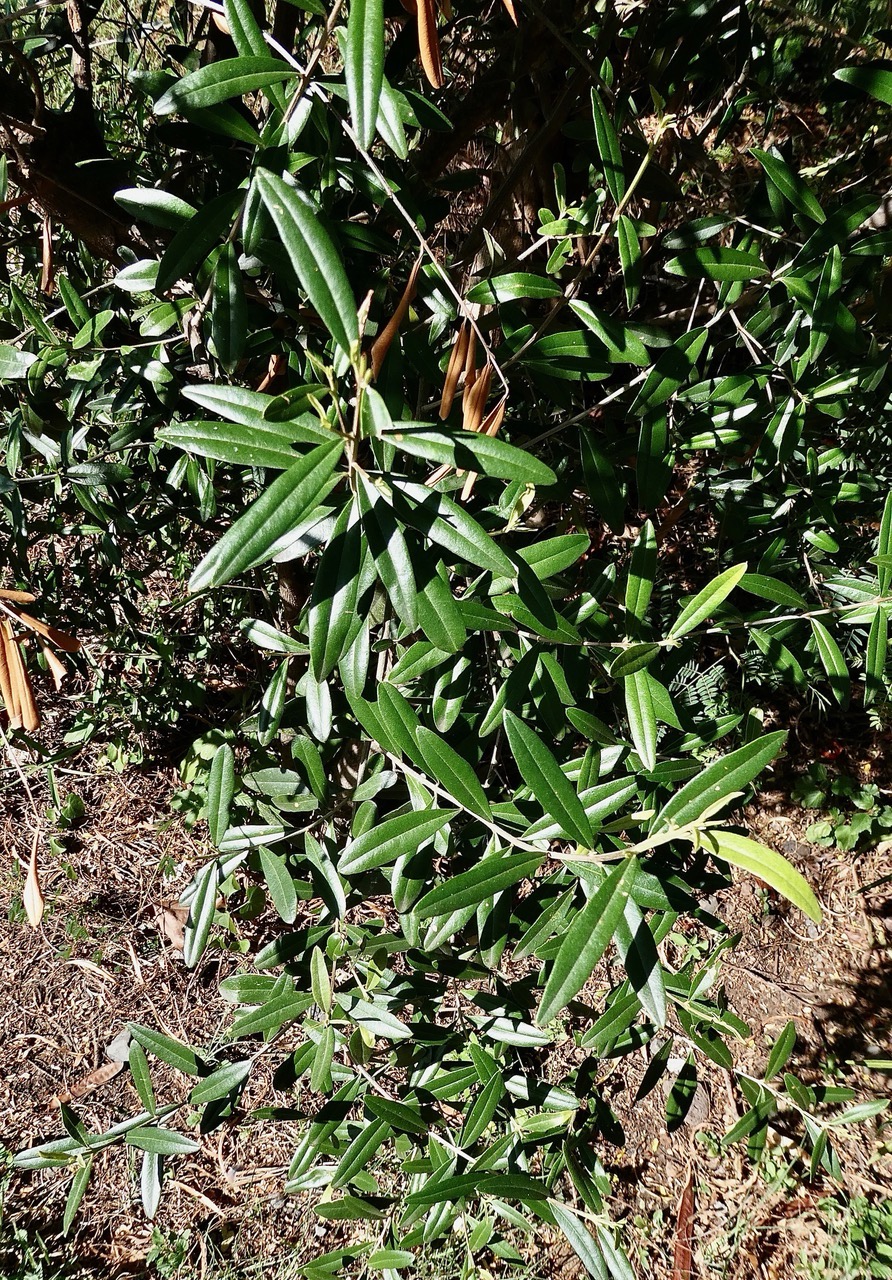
(875, 658)
(759, 584)
(629, 246)
(608, 149)
(884, 546)
(550, 786)
(339, 582)
(642, 716)
(623, 345)
(76, 1193)
(707, 601)
(482, 1111)
(390, 120)
(717, 264)
(399, 1115)
(158, 208)
(392, 839)
(512, 288)
(360, 1152)
(218, 81)
(195, 240)
(832, 661)
(444, 522)
(390, 1259)
(780, 1051)
(586, 941)
(642, 572)
(469, 451)
(250, 540)
(279, 881)
(151, 1182)
(161, 1142)
(550, 556)
(364, 66)
(671, 371)
(313, 258)
(489, 877)
(13, 363)
(320, 981)
(229, 317)
(452, 772)
(789, 184)
(246, 34)
(202, 910)
(724, 777)
(602, 483)
(221, 789)
(580, 1240)
(631, 659)
(260, 445)
(389, 552)
(220, 1083)
(872, 79)
(767, 865)
(142, 1079)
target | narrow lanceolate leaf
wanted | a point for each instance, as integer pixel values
(884, 546)
(642, 716)
(279, 509)
(221, 789)
(705, 602)
(452, 772)
(364, 66)
(832, 661)
(246, 34)
(218, 81)
(638, 952)
(586, 941)
(580, 1240)
(76, 1193)
(221, 1082)
(173, 1052)
(336, 592)
(314, 258)
(642, 572)
(781, 1050)
(360, 1151)
(201, 913)
(389, 551)
(393, 838)
(457, 358)
(769, 866)
(444, 522)
(489, 877)
(789, 184)
(550, 786)
(466, 450)
(151, 1181)
(161, 1142)
(872, 79)
(717, 264)
(263, 444)
(875, 660)
(608, 148)
(725, 777)
(229, 317)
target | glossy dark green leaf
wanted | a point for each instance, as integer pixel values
(789, 184)
(705, 602)
(452, 772)
(875, 658)
(279, 882)
(260, 445)
(608, 148)
(195, 239)
(873, 79)
(717, 264)
(759, 584)
(642, 716)
(225, 1080)
(159, 208)
(221, 789)
(360, 1151)
(387, 545)
(470, 451)
(586, 941)
(313, 257)
(218, 81)
(251, 538)
(673, 368)
(393, 838)
(550, 786)
(513, 287)
(141, 1076)
(629, 247)
(76, 1193)
(229, 316)
(445, 523)
(780, 1051)
(602, 482)
(642, 572)
(724, 777)
(336, 590)
(832, 661)
(489, 877)
(364, 66)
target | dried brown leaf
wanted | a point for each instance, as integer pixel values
(382, 343)
(47, 275)
(512, 11)
(56, 666)
(61, 639)
(32, 895)
(173, 923)
(25, 714)
(457, 358)
(6, 687)
(20, 597)
(275, 370)
(682, 1260)
(429, 43)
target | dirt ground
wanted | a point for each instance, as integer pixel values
(106, 954)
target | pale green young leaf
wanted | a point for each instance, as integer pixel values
(769, 866)
(705, 602)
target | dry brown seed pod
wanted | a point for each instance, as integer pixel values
(429, 43)
(457, 359)
(382, 343)
(475, 400)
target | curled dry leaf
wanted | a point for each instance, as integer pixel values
(275, 372)
(21, 707)
(429, 43)
(488, 427)
(32, 896)
(18, 597)
(173, 923)
(457, 359)
(56, 666)
(382, 343)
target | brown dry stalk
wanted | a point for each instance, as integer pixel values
(475, 399)
(382, 343)
(454, 368)
(429, 43)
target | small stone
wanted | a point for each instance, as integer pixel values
(119, 1048)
